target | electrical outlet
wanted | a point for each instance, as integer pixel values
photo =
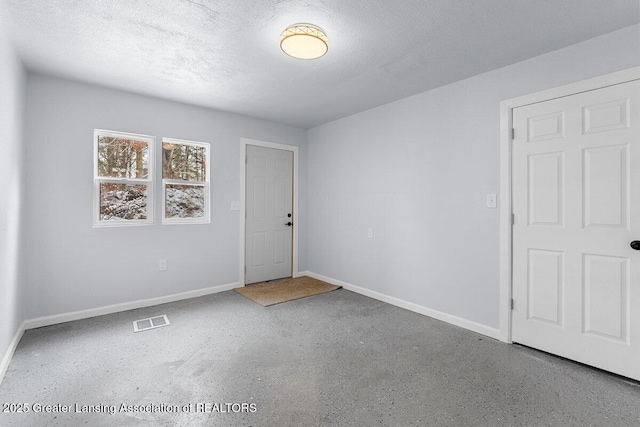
(370, 233)
(492, 200)
(235, 205)
(162, 264)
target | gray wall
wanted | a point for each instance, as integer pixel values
(72, 266)
(417, 171)
(11, 109)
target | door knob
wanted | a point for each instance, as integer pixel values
(289, 224)
(635, 245)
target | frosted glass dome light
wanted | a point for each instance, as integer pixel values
(304, 41)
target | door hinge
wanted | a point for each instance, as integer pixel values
(513, 133)
(512, 303)
(513, 219)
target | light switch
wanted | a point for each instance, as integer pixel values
(492, 200)
(235, 205)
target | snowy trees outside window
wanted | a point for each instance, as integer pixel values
(122, 178)
(185, 181)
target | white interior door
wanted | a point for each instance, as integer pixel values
(576, 200)
(269, 214)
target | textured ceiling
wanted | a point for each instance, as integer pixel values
(224, 54)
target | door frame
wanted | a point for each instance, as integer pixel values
(243, 190)
(506, 143)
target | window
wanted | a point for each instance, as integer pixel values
(123, 190)
(185, 182)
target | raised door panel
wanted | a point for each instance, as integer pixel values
(279, 247)
(259, 197)
(546, 189)
(281, 192)
(259, 162)
(606, 290)
(606, 116)
(545, 127)
(259, 249)
(606, 185)
(545, 286)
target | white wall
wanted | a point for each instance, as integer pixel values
(11, 109)
(72, 266)
(417, 171)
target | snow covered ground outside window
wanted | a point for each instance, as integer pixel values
(184, 201)
(123, 202)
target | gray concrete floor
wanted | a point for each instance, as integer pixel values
(334, 359)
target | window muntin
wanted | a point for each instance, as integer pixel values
(123, 188)
(185, 182)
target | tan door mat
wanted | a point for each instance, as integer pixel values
(283, 290)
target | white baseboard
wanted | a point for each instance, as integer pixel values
(445, 317)
(4, 365)
(115, 308)
(301, 274)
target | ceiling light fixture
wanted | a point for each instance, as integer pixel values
(304, 41)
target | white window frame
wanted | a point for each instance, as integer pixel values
(97, 180)
(206, 218)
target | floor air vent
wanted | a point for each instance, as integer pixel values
(150, 323)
